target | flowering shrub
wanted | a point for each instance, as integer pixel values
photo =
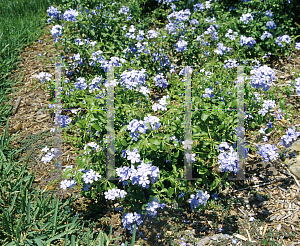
(149, 154)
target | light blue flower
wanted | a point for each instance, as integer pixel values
(247, 41)
(80, 84)
(262, 77)
(269, 13)
(291, 135)
(70, 15)
(266, 35)
(181, 46)
(268, 152)
(284, 38)
(199, 199)
(246, 18)
(271, 25)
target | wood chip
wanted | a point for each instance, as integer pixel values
(240, 237)
(16, 105)
(248, 235)
(265, 229)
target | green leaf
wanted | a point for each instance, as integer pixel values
(96, 126)
(282, 104)
(79, 124)
(153, 146)
(154, 141)
(123, 142)
(215, 183)
(170, 192)
(204, 116)
(202, 170)
(68, 173)
(176, 154)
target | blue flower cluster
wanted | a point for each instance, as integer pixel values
(53, 14)
(180, 46)
(297, 86)
(133, 78)
(268, 152)
(208, 93)
(76, 57)
(94, 85)
(55, 31)
(70, 15)
(262, 77)
(297, 46)
(161, 105)
(199, 6)
(138, 176)
(231, 35)
(211, 30)
(160, 81)
(96, 57)
(93, 145)
(64, 121)
(247, 41)
(222, 49)
(79, 42)
(176, 21)
(114, 193)
(152, 34)
(291, 135)
(231, 63)
(257, 97)
(265, 35)
(129, 219)
(269, 13)
(202, 40)
(44, 77)
(267, 105)
(137, 36)
(183, 71)
(271, 25)
(246, 18)
(50, 155)
(135, 125)
(211, 20)
(124, 10)
(67, 184)
(227, 159)
(153, 206)
(199, 199)
(80, 84)
(90, 176)
(163, 58)
(284, 38)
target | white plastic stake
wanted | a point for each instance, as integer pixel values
(58, 107)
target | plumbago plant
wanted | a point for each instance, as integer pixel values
(149, 146)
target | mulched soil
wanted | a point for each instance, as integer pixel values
(34, 134)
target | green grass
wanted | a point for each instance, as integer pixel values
(27, 217)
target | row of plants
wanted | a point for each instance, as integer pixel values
(28, 216)
(211, 37)
(149, 146)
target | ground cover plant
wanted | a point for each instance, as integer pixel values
(212, 37)
(193, 35)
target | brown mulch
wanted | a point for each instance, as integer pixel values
(32, 113)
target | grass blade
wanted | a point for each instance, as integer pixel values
(54, 219)
(28, 212)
